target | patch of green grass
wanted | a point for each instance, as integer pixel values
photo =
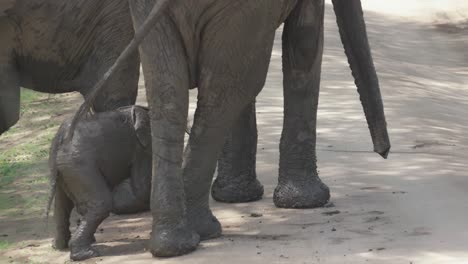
(27, 97)
(25, 163)
(4, 244)
(22, 159)
(31, 177)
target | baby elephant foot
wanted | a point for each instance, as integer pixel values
(173, 241)
(205, 224)
(237, 191)
(82, 253)
(308, 193)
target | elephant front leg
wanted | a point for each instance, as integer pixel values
(167, 83)
(237, 180)
(228, 84)
(299, 185)
(9, 79)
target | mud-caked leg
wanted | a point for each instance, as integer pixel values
(167, 83)
(236, 181)
(62, 211)
(93, 200)
(229, 82)
(299, 185)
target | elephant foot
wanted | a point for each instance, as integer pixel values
(309, 193)
(237, 192)
(205, 224)
(83, 253)
(173, 241)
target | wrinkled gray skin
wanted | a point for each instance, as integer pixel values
(223, 47)
(64, 46)
(105, 168)
(236, 180)
(49, 46)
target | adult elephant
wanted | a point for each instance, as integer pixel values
(299, 185)
(64, 46)
(223, 47)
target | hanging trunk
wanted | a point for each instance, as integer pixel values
(352, 28)
(9, 106)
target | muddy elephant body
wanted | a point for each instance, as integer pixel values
(223, 48)
(106, 168)
(64, 46)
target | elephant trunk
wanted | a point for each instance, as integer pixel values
(353, 33)
(9, 108)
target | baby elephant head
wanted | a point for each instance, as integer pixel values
(141, 123)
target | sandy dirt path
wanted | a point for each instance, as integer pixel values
(411, 208)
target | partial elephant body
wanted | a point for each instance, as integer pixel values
(106, 168)
(224, 48)
(64, 46)
(232, 44)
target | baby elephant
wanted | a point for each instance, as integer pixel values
(105, 168)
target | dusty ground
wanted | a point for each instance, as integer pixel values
(411, 208)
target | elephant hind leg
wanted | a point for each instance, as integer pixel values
(229, 82)
(62, 210)
(167, 83)
(236, 181)
(93, 200)
(299, 185)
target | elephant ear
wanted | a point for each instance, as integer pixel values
(5, 5)
(141, 123)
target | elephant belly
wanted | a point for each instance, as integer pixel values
(42, 76)
(194, 16)
(57, 40)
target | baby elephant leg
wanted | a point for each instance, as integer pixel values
(126, 200)
(62, 211)
(93, 200)
(133, 195)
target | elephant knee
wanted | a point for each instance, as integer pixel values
(101, 209)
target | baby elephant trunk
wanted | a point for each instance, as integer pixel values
(353, 33)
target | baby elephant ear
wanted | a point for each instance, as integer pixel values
(141, 123)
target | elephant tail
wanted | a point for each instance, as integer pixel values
(56, 143)
(140, 34)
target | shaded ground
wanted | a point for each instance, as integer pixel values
(411, 208)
